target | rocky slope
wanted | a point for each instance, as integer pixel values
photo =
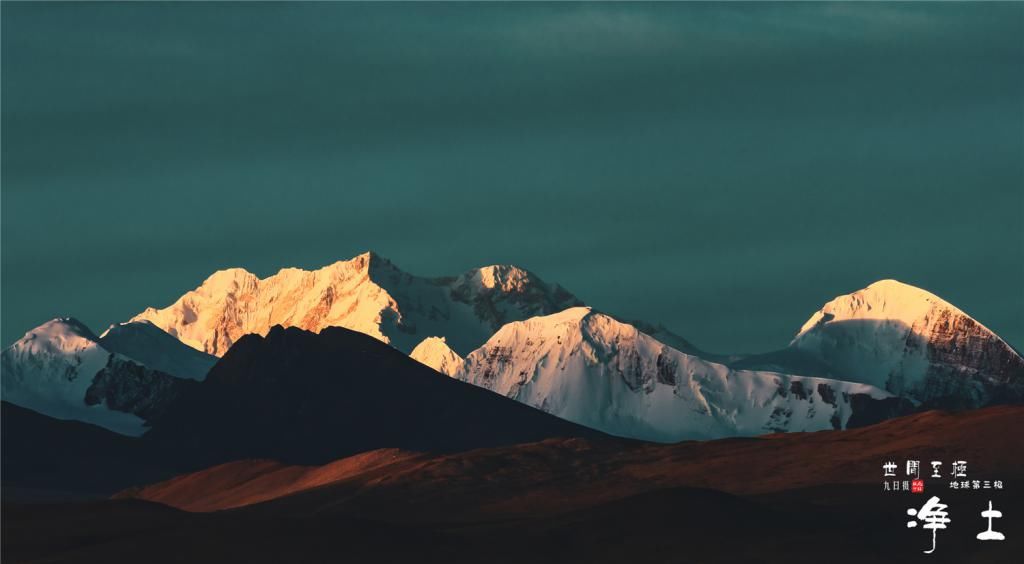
(126, 386)
(593, 370)
(367, 294)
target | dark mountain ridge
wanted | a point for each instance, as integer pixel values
(307, 398)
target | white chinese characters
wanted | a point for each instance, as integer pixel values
(914, 468)
(960, 469)
(934, 515)
(889, 468)
(989, 534)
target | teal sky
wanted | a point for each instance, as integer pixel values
(722, 168)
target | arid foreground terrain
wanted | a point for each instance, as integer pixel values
(798, 497)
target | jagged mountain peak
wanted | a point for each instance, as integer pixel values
(363, 262)
(510, 280)
(236, 278)
(503, 277)
(367, 293)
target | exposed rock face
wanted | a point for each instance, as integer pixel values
(913, 344)
(503, 293)
(366, 294)
(591, 369)
(126, 386)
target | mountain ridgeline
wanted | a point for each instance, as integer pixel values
(589, 368)
(368, 294)
(879, 352)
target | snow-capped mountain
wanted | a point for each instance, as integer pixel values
(856, 360)
(586, 367)
(63, 370)
(150, 346)
(435, 353)
(913, 344)
(50, 369)
(366, 294)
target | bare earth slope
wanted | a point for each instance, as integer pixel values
(795, 498)
(558, 473)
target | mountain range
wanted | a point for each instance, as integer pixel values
(876, 353)
(368, 294)
(293, 396)
(587, 367)
(360, 411)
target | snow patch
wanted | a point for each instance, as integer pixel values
(435, 353)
